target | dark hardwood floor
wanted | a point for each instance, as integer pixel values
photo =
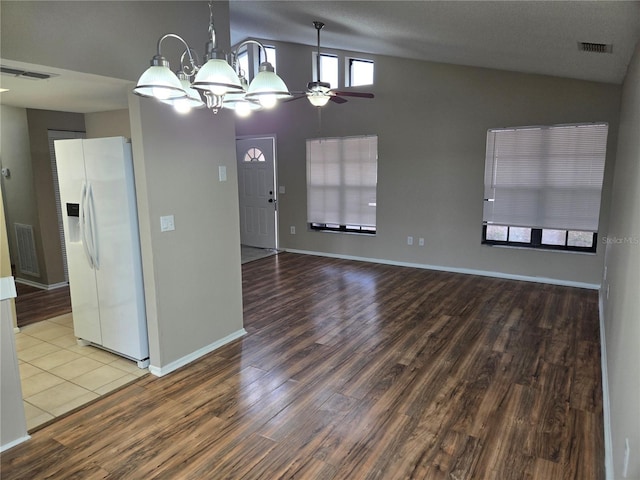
(34, 304)
(358, 371)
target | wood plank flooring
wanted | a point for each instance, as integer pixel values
(358, 371)
(35, 305)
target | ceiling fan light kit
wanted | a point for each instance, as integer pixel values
(219, 83)
(318, 99)
(319, 93)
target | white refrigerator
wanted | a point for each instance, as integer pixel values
(97, 194)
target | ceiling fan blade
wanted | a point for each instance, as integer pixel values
(297, 96)
(336, 99)
(353, 94)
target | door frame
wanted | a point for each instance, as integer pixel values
(274, 138)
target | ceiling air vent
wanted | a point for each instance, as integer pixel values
(595, 47)
(19, 73)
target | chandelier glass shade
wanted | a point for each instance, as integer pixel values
(267, 87)
(217, 84)
(159, 81)
(217, 77)
(190, 101)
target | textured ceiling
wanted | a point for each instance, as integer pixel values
(525, 36)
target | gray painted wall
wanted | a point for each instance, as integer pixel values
(192, 275)
(108, 124)
(13, 425)
(431, 120)
(622, 309)
(49, 245)
(29, 193)
(17, 190)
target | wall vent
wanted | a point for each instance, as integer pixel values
(595, 47)
(27, 257)
(20, 73)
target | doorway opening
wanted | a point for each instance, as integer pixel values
(257, 196)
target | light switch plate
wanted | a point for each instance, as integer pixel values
(222, 173)
(281, 189)
(167, 223)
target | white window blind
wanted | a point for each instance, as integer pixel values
(545, 177)
(342, 175)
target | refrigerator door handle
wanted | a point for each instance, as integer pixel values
(94, 236)
(83, 226)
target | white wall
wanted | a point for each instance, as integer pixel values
(622, 309)
(431, 120)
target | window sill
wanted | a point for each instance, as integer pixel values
(361, 234)
(550, 250)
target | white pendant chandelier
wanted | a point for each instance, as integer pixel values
(218, 83)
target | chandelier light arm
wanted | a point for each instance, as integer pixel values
(249, 42)
(215, 83)
(212, 30)
(194, 66)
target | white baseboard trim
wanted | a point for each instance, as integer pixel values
(606, 406)
(181, 362)
(12, 444)
(483, 273)
(41, 286)
(16, 329)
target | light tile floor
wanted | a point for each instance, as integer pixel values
(59, 375)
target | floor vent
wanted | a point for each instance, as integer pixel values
(27, 257)
(595, 47)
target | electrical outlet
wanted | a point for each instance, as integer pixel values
(409, 240)
(421, 242)
(625, 461)
(292, 229)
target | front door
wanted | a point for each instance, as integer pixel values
(256, 190)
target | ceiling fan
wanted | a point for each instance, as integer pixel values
(320, 93)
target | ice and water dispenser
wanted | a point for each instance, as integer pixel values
(73, 221)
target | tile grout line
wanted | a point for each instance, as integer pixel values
(127, 375)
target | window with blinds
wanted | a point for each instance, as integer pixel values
(342, 178)
(543, 185)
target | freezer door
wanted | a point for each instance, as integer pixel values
(82, 280)
(109, 169)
